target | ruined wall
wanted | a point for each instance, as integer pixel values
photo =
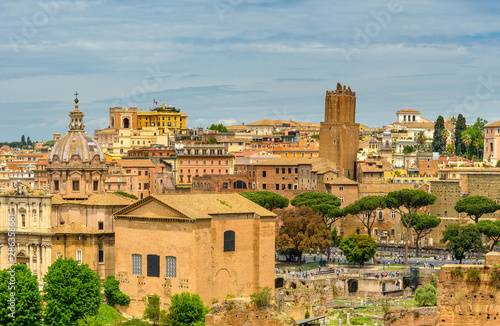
(236, 312)
(424, 316)
(464, 302)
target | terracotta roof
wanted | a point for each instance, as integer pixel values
(341, 181)
(75, 228)
(136, 163)
(379, 166)
(57, 200)
(201, 206)
(493, 124)
(108, 199)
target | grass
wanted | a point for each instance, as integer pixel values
(109, 315)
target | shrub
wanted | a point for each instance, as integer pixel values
(495, 276)
(473, 275)
(113, 294)
(126, 194)
(426, 296)
(262, 297)
(457, 272)
(307, 314)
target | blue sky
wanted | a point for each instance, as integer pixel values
(236, 61)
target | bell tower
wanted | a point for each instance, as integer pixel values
(339, 133)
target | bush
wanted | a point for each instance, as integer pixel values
(186, 309)
(307, 314)
(134, 322)
(473, 275)
(262, 297)
(426, 296)
(113, 294)
(457, 272)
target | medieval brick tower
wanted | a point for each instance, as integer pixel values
(339, 133)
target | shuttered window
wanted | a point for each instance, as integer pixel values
(170, 267)
(228, 241)
(136, 264)
(153, 266)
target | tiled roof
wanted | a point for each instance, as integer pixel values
(493, 124)
(108, 199)
(406, 110)
(136, 163)
(201, 206)
(57, 200)
(341, 181)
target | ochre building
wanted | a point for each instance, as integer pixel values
(210, 244)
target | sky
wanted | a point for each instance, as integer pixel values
(240, 61)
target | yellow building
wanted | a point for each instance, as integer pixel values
(403, 176)
(165, 118)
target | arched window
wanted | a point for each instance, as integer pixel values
(126, 123)
(228, 241)
(239, 185)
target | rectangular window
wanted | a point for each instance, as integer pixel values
(263, 174)
(277, 187)
(289, 186)
(296, 170)
(136, 264)
(153, 262)
(76, 185)
(229, 241)
(376, 232)
(101, 225)
(392, 232)
(79, 257)
(170, 267)
(101, 256)
(96, 185)
(277, 170)
(289, 170)
(341, 199)
(58, 255)
(264, 186)
(283, 170)
(341, 188)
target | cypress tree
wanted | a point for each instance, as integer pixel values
(460, 126)
(438, 144)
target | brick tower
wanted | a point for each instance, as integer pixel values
(339, 133)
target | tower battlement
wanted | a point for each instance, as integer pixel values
(341, 91)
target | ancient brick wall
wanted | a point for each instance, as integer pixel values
(425, 316)
(464, 302)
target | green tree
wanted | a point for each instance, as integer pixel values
(358, 248)
(408, 201)
(302, 229)
(426, 295)
(408, 149)
(336, 239)
(152, 312)
(23, 140)
(460, 239)
(49, 143)
(437, 142)
(185, 309)
(476, 206)
(113, 294)
(219, 127)
(490, 229)
(325, 204)
(450, 148)
(211, 140)
(422, 224)
(315, 136)
(365, 209)
(267, 199)
(460, 126)
(20, 301)
(72, 291)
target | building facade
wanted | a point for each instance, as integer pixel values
(212, 245)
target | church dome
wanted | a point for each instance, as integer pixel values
(76, 141)
(387, 133)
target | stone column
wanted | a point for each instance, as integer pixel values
(38, 262)
(44, 260)
(30, 253)
(48, 255)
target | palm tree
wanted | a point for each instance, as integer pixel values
(467, 140)
(420, 139)
(477, 144)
